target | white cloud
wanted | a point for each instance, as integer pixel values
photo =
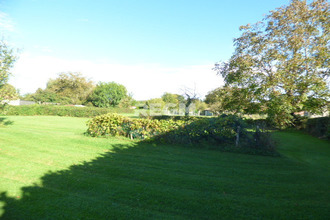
(144, 81)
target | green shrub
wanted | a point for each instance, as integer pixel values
(171, 117)
(261, 123)
(225, 130)
(108, 124)
(219, 130)
(71, 111)
(299, 122)
(114, 124)
(108, 94)
(319, 127)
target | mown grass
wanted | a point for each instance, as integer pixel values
(50, 170)
(306, 149)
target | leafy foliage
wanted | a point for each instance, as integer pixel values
(108, 94)
(199, 105)
(171, 98)
(71, 86)
(59, 110)
(47, 96)
(67, 88)
(7, 60)
(173, 103)
(114, 124)
(155, 105)
(127, 102)
(8, 92)
(172, 117)
(282, 64)
(222, 131)
(319, 127)
(219, 130)
(230, 100)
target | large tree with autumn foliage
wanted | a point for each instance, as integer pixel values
(282, 62)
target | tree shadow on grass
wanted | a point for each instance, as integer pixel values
(128, 182)
(143, 181)
(4, 121)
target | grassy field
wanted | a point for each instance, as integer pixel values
(50, 170)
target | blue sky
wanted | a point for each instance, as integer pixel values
(151, 47)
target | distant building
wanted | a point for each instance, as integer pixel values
(302, 113)
(206, 112)
(310, 115)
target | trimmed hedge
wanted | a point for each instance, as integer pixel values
(56, 110)
(319, 127)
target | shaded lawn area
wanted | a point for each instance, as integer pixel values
(305, 149)
(50, 170)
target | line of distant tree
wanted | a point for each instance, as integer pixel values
(280, 66)
(73, 88)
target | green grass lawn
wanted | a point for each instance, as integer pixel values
(50, 170)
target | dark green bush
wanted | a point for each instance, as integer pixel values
(223, 131)
(299, 122)
(261, 123)
(319, 127)
(71, 111)
(219, 130)
(171, 117)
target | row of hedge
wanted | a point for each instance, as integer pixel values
(170, 117)
(72, 111)
(318, 127)
(222, 131)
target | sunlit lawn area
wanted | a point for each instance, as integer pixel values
(50, 170)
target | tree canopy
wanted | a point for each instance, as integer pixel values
(44, 96)
(67, 88)
(172, 100)
(230, 99)
(8, 92)
(108, 94)
(282, 62)
(72, 86)
(7, 60)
